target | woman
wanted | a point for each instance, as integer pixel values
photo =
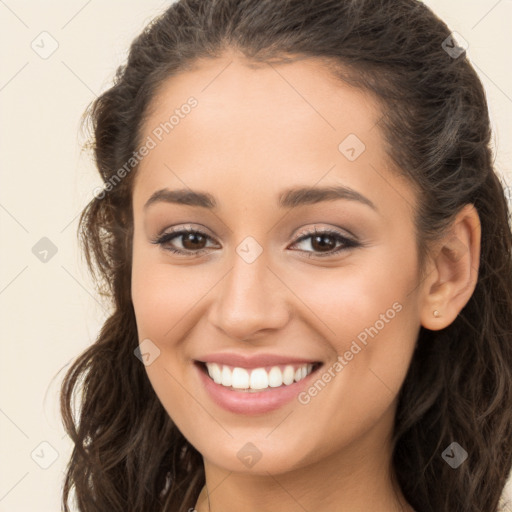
(309, 258)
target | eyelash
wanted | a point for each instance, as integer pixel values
(347, 242)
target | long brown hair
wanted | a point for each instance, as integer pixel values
(128, 454)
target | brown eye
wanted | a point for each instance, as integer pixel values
(325, 243)
(188, 242)
(193, 241)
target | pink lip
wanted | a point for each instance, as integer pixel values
(256, 361)
(251, 403)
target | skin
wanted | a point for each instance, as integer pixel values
(256, 131)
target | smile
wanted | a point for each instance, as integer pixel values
(262, 386)
(258, 379)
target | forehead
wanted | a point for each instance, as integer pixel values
(255, 127)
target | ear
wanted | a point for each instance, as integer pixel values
(453, 272)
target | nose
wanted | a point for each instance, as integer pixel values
(250, 301)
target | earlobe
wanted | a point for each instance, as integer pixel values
(454, 273)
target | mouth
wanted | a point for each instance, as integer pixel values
(256, 380)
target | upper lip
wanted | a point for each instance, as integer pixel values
(255, 361)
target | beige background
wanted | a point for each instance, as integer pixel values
(49, 312)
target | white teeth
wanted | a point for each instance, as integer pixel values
(240, 378)
(258, 378)
(275, 377)
(226, 376)
(215, 373)
(288, 375)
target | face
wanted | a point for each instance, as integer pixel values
(304, 304)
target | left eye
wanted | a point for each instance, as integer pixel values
(326, 243)
(193, 242)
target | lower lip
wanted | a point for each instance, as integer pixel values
(260, 402)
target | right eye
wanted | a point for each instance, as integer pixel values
(192, 242)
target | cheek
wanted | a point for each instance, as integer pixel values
(163, 294)
(373, 357)
(349, 299)
(369, 318)
(163, 297)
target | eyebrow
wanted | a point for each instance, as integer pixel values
(291, 198)
(310, 195)
(182, 196)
